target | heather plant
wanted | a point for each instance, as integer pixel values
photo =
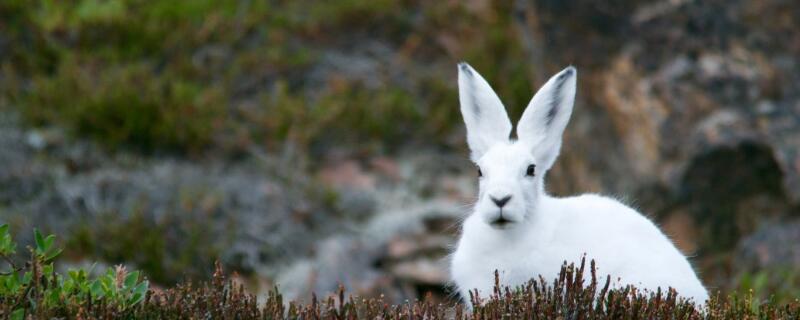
(34, 290)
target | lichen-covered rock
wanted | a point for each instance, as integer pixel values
(694, 104)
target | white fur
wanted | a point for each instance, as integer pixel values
(541, 232)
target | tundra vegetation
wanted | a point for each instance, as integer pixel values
(35, 289)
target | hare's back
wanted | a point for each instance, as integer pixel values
(597, 222)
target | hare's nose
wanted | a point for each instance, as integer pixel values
(500, 202)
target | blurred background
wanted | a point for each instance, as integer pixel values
(311, 143)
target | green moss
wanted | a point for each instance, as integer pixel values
(166, 75)
(347, 113)
(128, 105)
(387, 113)
(313, 18)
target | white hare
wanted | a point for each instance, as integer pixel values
(519, 230)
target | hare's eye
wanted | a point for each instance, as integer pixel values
(480, 173)
(531, 170)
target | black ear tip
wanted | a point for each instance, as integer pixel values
(463, 66)
(568, 72)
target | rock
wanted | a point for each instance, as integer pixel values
(398, 253)
(35, 140)
(424, 244)
(681, 229)
(773, 245)
(296, 281)
(722, 188)
(386, 167)
(423, 271)
(348, 174)
(688, 110)
(356, 204)
(401, 247)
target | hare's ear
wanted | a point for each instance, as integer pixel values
(546, 116)
(484, 114)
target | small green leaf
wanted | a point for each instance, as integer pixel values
(131, 278)
(7, 245)
(135, 299)
(37, 237)
(109, 279)
(9, 283)
(48, 242)
(52, 254)
(48, 270)
(54, 296)
(142, 287)
(97, 290)
(18, 314)
(26, 278)
(74, 274)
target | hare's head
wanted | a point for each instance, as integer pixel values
(512, 170)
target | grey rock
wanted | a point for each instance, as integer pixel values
(773, 245)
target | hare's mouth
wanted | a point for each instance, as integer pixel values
(501, 222)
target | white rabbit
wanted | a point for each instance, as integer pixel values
(519, 230)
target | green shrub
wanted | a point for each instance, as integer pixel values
(36, 290)
(167, 250)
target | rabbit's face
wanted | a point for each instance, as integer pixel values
(512, 171)
(508, 185)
